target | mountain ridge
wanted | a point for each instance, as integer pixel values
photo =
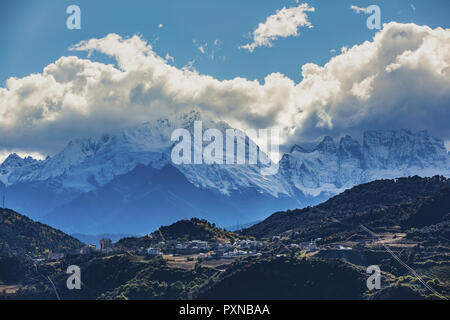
(412, 202)
(331, 168)
(22, 237)
(307, 175)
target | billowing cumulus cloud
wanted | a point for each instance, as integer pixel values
(284, 23)
(400, 79)
(77, 97)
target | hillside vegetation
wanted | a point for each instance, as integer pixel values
(405, 204)
(387, 223)
(184, 230)
(23, 237)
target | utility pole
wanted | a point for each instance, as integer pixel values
(3, 202)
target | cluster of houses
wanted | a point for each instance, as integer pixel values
(310, 246)
(207, 250)
(204, 249)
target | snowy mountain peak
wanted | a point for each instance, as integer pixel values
(301, 149)
(13, 158)
(311, 171)
(383, 154)
(403, 149)
(309, 174)
(350, 148)
(14, 162)
(84, 147)
(327, 145)
(86, 164)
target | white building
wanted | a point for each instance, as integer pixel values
(153, 251)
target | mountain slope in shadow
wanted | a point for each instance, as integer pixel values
(146, 198)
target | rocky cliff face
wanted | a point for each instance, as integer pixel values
(331, 167)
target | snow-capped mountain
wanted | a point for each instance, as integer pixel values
(89, 169)
(14, 163)
(330, 168)
(127, 182)
(85, 165)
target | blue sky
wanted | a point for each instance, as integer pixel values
(394, 78)
(34, 34)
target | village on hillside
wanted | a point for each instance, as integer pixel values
(187, 253)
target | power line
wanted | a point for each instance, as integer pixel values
(46, 277)
(403, 264)
(415, 274)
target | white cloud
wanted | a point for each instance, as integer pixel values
(209, 50)
(358, 10)
(160, 25)
(169, 57)
(202, 48)
(400, 79)
(284, 23)
(76, 97)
